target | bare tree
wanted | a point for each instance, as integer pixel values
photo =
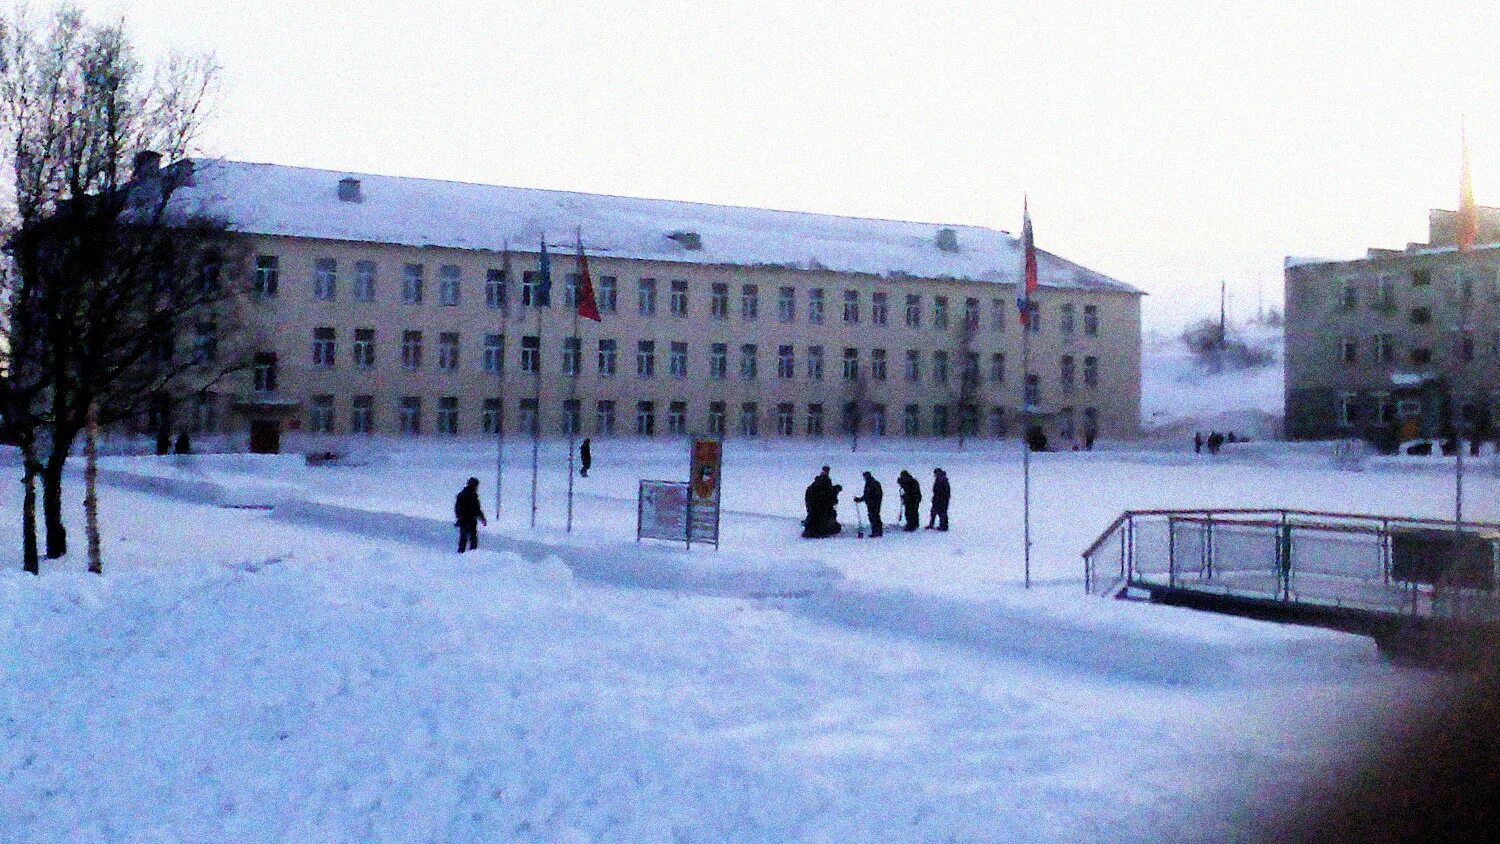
(111, 267)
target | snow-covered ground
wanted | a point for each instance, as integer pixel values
(329, 670)
(1178, 396)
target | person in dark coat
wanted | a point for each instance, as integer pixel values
(940, 496)
(871, 499)
(585, 456)
(911, 499)
(468, 515)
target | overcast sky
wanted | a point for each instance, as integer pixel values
(1170, 145)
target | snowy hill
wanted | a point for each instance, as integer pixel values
(1179, 395)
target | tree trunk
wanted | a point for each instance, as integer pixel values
(29, 561)
(90, 487)
(57, 532)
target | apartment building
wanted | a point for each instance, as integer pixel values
(1391, 346)
(385, 305)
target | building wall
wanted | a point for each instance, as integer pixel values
(286, 324)
(1329, 304)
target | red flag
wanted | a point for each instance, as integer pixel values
(1468, 215)
(1023, 302)
(587, 307)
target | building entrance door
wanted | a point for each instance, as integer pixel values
(265, 436)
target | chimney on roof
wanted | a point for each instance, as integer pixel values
(147, 166)
(349, 190)
(690, 241)
(946, 240)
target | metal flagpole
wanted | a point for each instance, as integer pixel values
(504, 294)
(573, 384)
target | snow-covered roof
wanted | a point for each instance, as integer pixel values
(272, 199)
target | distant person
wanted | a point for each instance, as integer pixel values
(468, 516)
(1197, 442)
(911, 499)
(585, 457)
(940, 496)
(871, 499)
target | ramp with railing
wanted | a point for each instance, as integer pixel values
(1374, 575)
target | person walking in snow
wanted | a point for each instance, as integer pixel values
(940, 496)
(468, 516)
(911, 499)
(585, 456)
(871, 499)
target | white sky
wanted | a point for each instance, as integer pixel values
(1170, 145)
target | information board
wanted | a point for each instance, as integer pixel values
(662, 511)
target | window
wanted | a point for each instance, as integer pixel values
(851, 364)
(411, 415)
(449, 279)
(786, 423)
(489, 417)
(206, 341)
(998, 424)
(494, 352)
(604, 417)
(718, 300)
(448, 351)
(1421, 316)
(646, 296)
(645, 419)
(323, 347)
(716, 418)
(940, 312)
(364, 348)
(786, 362)
(362, 419)
(529, 419)
(748, 362)
(1065, 373)
(718, 361)
(677, 360)
(997, 367)
(815, 363)
(1033, 390)
(264, 374)
(877, 419)
(749, 302)
(677, 417)
(1065, 319)
(851, 306)
(940, 366)
(1421, 278)
(679, 303)
(1091, 320)
(496, 292)
(815, 306)
(749, 420)
(572, 416)
(997, 314)
(531, 354)
(1090, 371)
(913, 365)
(572, 355)
(645, 358)
(1349, 295)
(913, 310)
(607, 358)
(325, 280)
(1421, 356)
(815, 420)
(911, 420)
(411, 349)
(267, 274)
(877, 364)
(1349, 350)
(447, 416)
(878, 308)
(940, 420)
(608, 293)
(364, 281)
(411, 284)
(1347, 409)
(786, 304)
(320, 415)
(971, 314)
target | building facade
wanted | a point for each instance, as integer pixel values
(1393, 346)
(404, 306)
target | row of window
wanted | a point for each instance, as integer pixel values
(267, 280)
(1382, 349)
(325, 356)
(942, 420)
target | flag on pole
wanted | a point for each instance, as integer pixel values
(587, 307)
(1024, 302)
(542, 296)
(1468, 215)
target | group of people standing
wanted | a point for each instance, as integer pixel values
(822, 498)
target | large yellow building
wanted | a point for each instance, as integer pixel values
(396, 305)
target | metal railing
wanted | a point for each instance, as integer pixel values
(1382, 564)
